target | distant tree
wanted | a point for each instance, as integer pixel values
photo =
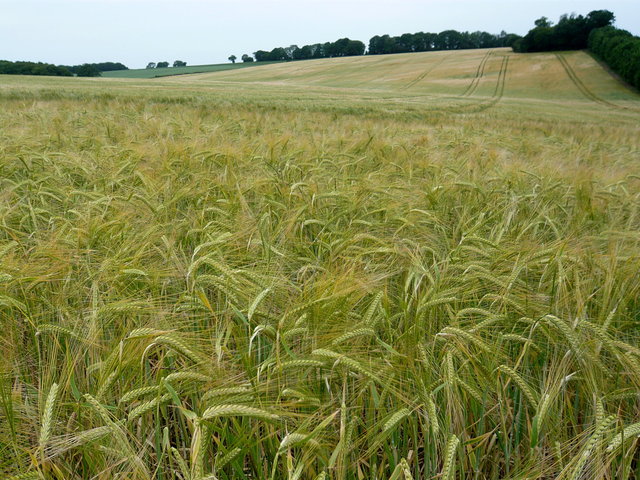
(261, 56)
(87, 70)
(599, 19)
(346, 48)
(543, 22)
(278, 54)
(316, 50)
(179, 63)
(305, 52)
(508, 39)
(232, 59)
(246, 58)
(424, 41)
(571, 33)
(162, 64)
(292, 52)
(379, 45)
(101, 67)
(542, 38)
(406, 43)
(449, 40)
(32, 68)
(110, 66)
(151, 65)
(486, 40)
(375, 45)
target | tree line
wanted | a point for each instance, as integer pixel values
(407, 42)
(343, 47)
(446, 40)
(177, 63)
(38, 68)
(620, 50)
(33, 68)
(570, 33)
(90, 69)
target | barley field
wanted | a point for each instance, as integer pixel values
(416, 266)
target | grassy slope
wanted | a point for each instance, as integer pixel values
(391, 266)
(171, 71)
(534, 76)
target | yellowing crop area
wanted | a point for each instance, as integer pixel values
(406, 266)
(439, 76)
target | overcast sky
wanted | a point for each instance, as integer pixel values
(136, 32)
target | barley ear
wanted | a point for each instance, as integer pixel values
(47, 416)
(449, 466)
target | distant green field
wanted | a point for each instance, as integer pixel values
(170, 71)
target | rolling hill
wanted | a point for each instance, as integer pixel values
(474, 79)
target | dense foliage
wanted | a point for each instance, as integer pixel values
(408, 42)
(446, 40)
(340, 48)
(39, 68)
(87, 70)
(100, 67)
(32, 68)
(571, 32)
(620, 50)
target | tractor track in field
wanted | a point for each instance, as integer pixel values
(579, 84)
(424, 74)
(498, 93)
(478, 76)
(478, 105)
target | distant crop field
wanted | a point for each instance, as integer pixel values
(392, 267)
(170, 71)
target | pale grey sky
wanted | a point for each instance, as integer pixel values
(136, 32)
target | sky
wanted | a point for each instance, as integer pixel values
(136, 32)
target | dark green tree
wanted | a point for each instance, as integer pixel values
(179, 63)
(32, 68)
(261, 56)
(599, 19)
(87, 70)
(278, 54)
(232, 59)
(543, 22)
(620, 50)
(571, 32)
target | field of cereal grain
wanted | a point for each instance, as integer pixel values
(405, 266)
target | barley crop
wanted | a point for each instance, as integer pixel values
(224, 276)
